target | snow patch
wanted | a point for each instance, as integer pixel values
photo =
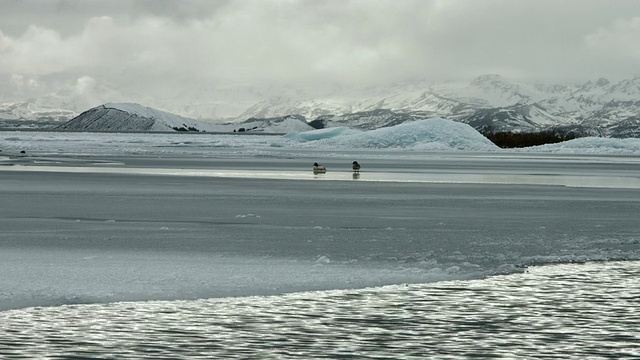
(323, 260)
(244, 216)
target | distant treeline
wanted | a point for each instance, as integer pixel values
(519, 140)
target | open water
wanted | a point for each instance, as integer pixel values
(570, 311)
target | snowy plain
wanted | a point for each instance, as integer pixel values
(105, 217)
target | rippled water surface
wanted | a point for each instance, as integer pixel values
(575, 311)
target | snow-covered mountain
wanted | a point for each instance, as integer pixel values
(282, 124)
(598, 108)
(488, 103)
(135, 117)
(29, 114)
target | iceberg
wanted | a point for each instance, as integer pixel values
(433, 134)
(592, 145)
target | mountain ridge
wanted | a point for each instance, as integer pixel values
(488, 103)
(134, 117)
(30, 114)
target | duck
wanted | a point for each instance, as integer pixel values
(356, 166)
(317, 168)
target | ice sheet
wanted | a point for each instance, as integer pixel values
(133, 232)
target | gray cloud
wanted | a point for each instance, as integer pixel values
(160, 47)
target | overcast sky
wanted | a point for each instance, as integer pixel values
(165, 44)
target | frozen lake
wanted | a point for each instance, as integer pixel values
(113, 227)
(421, 254)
